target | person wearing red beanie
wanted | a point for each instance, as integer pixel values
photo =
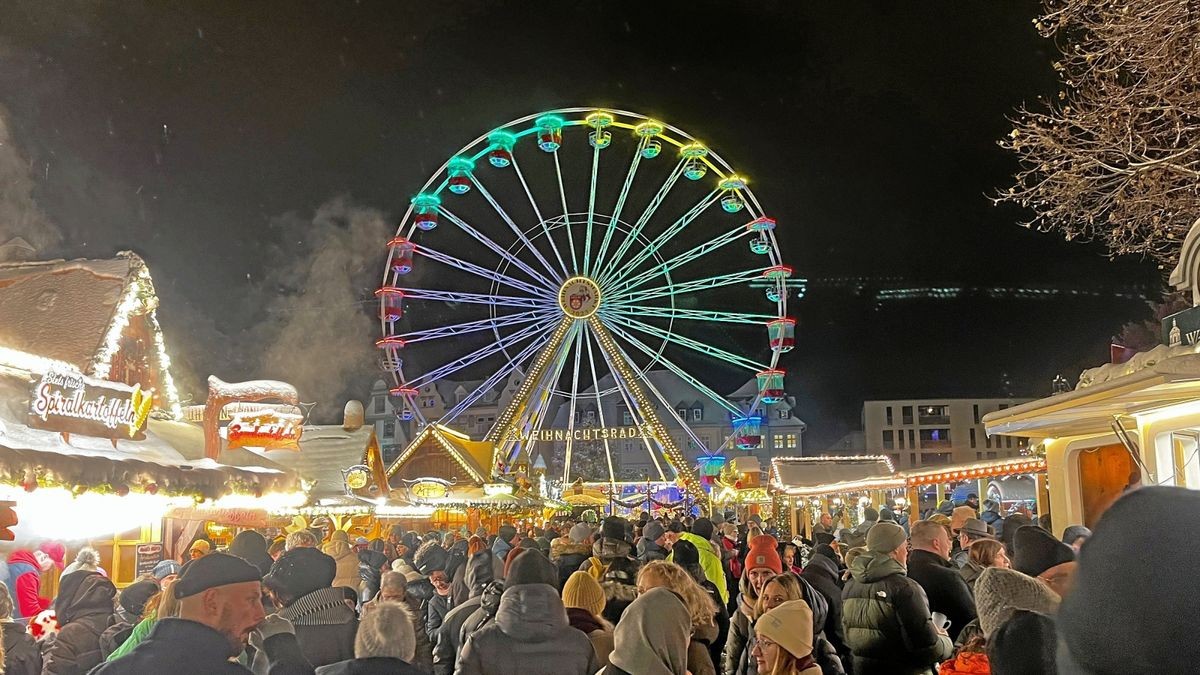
(761, 563)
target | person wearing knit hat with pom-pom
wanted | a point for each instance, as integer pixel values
(886, 615)
(785, 645)
(761, 563)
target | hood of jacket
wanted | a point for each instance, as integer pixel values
(323, 607)
(823, 566)
(83, 594)
(338, 550)
(531, 613)
(500, 548)
(652, 636)
(489, 600)
(24, 556)
(479, 573)
(645, 545)
(610, 549)
(871, 566)
(420, 590)
(816, 602)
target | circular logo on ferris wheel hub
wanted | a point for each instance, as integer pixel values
(579, 297)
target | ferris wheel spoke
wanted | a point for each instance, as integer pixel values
(542, 396)
(500, 250)
(475, 326)
(684, 258)
(498, 277)
(591, 212)
(630, 404)
(673, 367)
(475, 357)
(562, 193)
(638, 225)
(698, 315)
(578, 349)
(694, 345)
(490, 383)
(599, 405)
(620, 205)
(512, 225)
(474, 298)
(692, 286)
(668, 405)
(537, 212)
(661, 240)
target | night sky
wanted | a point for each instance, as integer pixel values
(250, 150)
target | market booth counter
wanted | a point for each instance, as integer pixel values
(1125, 425)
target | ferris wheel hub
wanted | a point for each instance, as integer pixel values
(579, 297)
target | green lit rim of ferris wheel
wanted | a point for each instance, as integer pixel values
(578, 303)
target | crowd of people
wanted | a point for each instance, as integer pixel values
(954, 593)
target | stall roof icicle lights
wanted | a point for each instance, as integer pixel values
(586, 268)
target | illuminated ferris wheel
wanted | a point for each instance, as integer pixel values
(566, 255)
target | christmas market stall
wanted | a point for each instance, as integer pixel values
(804, 487)
(447, 480)
(84, 382)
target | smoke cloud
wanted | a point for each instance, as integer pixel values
(318, 302)
(20, 215)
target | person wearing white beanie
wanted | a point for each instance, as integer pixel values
(785, 640)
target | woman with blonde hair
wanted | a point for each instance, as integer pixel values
(787, 588)
(664, 574)
(783, 640)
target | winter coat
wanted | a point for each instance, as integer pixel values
(741, 626)
(370, 571)
(828, 660)
(886, 620)
(716, 644)
(823, 575)
(568, 556)
(446, 642)
(531, 636)
(346, 574)
(181, 647)
(944, 586)
(423, 653)
(21, 653)
(136, 636)
(325, 628)
(375, 665)
(25, 585)
(113, 637)
(252, 547)
(710, 562)
(435, 613)
(960, 558)
(648, 551)
(456, 571)
(598, 631)
(970, 573)
(699, 658)
(614, 567)
(84, 608)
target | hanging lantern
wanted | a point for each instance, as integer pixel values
(782, 334)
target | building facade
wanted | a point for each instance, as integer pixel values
(932, 431)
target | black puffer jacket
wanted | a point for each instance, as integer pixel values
(886, 620)
(823, 575)
(531, 636)
(370, 570)
(21, 653)
(447, 641)
(84, 608)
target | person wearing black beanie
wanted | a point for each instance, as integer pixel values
(703, 527)
(301, 582)
(1132, 608)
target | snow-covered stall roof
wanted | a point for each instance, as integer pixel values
(325, 451)
(91, 461)
(797, 475)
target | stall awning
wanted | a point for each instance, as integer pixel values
(1136, 388)
(803, 476)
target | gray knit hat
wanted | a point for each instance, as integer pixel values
(885, 537)
(999, 592)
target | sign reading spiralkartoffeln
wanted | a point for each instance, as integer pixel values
(73, 403)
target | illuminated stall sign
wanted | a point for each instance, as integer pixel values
(265, 429)
(589, 434)
(73, 403)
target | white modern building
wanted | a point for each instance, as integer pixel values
(931, 431)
